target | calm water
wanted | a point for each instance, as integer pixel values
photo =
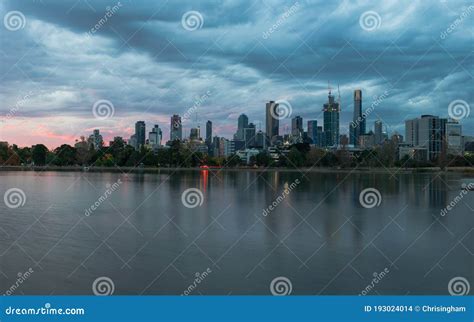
(146, 241)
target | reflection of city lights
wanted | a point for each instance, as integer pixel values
(204, 175)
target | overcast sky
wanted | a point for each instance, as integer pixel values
(149, 60)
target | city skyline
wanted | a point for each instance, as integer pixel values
(48, 90)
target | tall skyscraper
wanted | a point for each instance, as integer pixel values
(357, 127)
(297, 126)
(176, 128)
(313, 131)
(242, 123)
(96, 139)
(249, 136)
(154, 137)
(272, 122)
(195, 133)
(208, 133)
(454, 139)
(331, 111)
(428, 132)
(140, 133)
(378, 132)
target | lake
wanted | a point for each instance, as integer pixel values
(234, 232)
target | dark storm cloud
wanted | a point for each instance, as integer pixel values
(144, 61)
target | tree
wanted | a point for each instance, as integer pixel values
(295, 158)
(65, 155)
(38, 154)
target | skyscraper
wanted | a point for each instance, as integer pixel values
(140, 133)
(272, 122)
(242, 123)
(208, 133)
(176, 128)
(96, 140)
(249, 136)
(357, 127)
(428, 132)
(154, 137)
(313, 131)
(297, 126)
(378, 132)
(331, 111)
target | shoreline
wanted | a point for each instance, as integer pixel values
(466, 170)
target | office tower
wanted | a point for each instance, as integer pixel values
(378, 132)
(320, 137)
(272, 122)
(133, 141)
(427, 132)
(140, 133)
(313, 131)
(260, 140)
(331, 111)
(195, 134)
(208, 133)
(176, 128)
(454, 139)
(249, 136)
(96, 140)
(297, 126)
(154, 137)
(357, 126)
(242, 123)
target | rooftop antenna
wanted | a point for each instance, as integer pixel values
(329, 88)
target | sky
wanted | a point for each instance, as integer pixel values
(68, 67)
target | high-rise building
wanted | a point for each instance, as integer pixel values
(96, 140)
(378, 132)
(242, 123)
(454, 139)
(140, 133)
(313, 131)
(195, 133)
(208, 133)
(272, 121)
(176, 128)
(154, 137)
(357, 126)
(249, 136)
(260, 140)
(297, 126)
(331, 111)
(428, 132)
